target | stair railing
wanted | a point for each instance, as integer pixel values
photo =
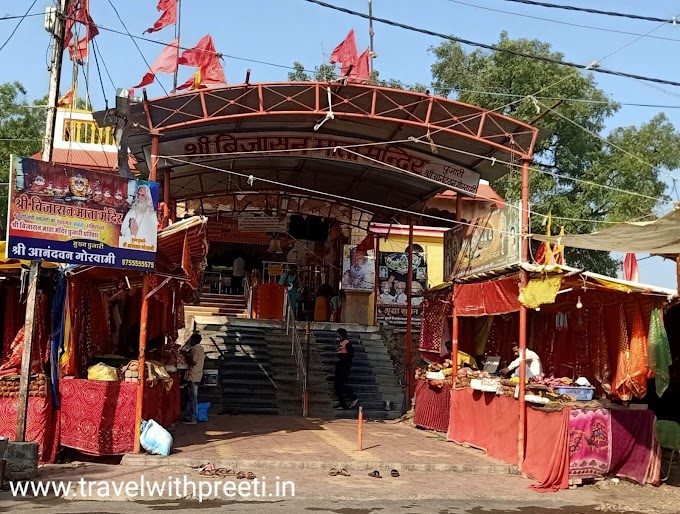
(296, 351)
(248, 295)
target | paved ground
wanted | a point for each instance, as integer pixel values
(275, 442)
(436, 476)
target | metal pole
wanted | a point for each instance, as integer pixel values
(371, 33)
(153, 168)
(360, 429)
(305, 404)
(523, 315)
(55, 78)
(454, 315)
(178, 29)
(376, 285)
(409, 314)
(144, 316)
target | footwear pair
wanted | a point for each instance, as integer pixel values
(189, 422)
(376, 474)
(342, 472)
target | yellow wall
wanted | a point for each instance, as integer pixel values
(434, 253)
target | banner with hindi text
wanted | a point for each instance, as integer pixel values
(68, 215)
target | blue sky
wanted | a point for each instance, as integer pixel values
(283, 31)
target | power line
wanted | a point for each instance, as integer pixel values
(21, 20)
(596, 11)
(106, 68)
(135, 43)
(594, 67)
(550, 20)
(20, 16)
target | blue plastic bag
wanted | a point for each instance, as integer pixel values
(202, 414)
(155, 439)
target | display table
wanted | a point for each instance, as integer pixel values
(433, 405)
(97, 417)
(42, 425)
(571, 443)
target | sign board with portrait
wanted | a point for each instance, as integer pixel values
(76, 216)
(487, 244)
(393, 279)
(358, 270)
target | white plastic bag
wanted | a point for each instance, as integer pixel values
(155, 439)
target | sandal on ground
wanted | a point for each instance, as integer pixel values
(333, 472)
(394, 473)
(375, 474)
(343, 472)
(224, 472)
(207, 473)
(240, 475)
(251, 475)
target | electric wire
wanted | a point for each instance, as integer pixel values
(588, 10)
(106, 68)
(561, 22)
(16, 27)
(594, 67)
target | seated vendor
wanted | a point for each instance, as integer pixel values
(533, 363)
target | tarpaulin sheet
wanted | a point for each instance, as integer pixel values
(487, 298)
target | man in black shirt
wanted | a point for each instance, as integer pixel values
(343, 366)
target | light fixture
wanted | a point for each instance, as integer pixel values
(579, 305)
(538, 309)
(275, 245)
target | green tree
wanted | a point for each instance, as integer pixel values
(22, 126)
(578, 157)
(328, 73)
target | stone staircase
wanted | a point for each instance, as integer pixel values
(258, 373)
(372, 378)
(232, 306)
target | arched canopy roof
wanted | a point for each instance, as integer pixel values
(368, 146)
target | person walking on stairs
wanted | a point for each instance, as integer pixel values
(343, 367)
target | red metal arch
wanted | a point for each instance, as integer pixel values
(430, 114)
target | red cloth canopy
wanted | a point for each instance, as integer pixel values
(487, 298)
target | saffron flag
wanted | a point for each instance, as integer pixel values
(165, 63)
(79, 11)
(204, 57)
(631, 271)
(361, 72)
(66, 100)
(169, 16)
(346, 53)
(547, 254)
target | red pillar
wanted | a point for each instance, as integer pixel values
(523, 315)
(409, 315)
(144, 316)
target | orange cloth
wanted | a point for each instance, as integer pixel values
(638, 349)
(547, 449)
(322, 310)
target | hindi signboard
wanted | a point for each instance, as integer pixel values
(75, 216)
(489, 243)
(392, 157)
(393, 299)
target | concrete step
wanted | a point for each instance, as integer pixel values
(249, 401)
(215, 311)
(229, 382)
(262, 392)
(260, 411)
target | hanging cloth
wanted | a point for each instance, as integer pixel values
(659, 352)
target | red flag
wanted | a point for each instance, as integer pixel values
(165, 63)
(79, 11)
(346, 53)
(362, 69)
(204, 57)
(169, 16)
(630, 268)
(66, 100)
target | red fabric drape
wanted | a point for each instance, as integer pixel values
(432, 406)
(15, 314)
(547, 449)
(42, 425)
(487, 298)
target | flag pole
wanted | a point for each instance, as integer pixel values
(371, 33)
(178, 29)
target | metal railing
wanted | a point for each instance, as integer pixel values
(248, 294)
(296, 351)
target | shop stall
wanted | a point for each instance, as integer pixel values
(598, 341)
(101, 360)
(86, 359)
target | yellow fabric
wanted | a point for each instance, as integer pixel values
(615, 285)
(101, 371)
(464, 358)
(64, 359)
(482, 329)
(539, 291)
